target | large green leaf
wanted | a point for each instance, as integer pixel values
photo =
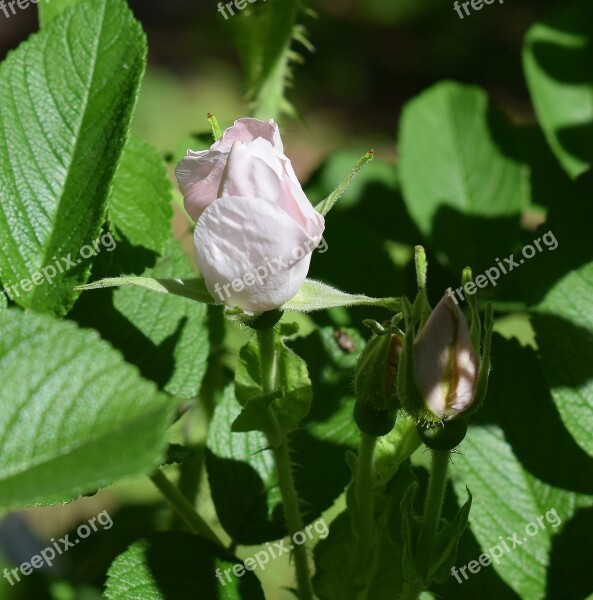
(182, 566)
(140, 202)
(521, 465)
(67, 98)
(74, 416)
(459, 178)
(557, 60)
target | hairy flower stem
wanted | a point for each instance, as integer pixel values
(364, 488)
(363, 514)
(432, 511)
(268, 355)
(184, 509)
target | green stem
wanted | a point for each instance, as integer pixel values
(364, 512)
(268, 355)
(364, 491)
(432, 511)
(267, 349)
(184, 509)
(293, 518)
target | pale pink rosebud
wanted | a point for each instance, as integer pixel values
(446, 363)
(255, 229)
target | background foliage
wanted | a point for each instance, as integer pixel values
(483, 132)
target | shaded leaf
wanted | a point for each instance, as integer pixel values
(74, 416)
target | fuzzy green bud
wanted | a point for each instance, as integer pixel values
(375, 382)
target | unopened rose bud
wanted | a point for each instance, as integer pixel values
(446, 364)
(375, 384)
(255, 228)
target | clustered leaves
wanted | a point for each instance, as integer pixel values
(91, 384)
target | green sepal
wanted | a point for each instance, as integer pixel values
(475, 326)
(447, 541)
(375, 378)
(408, 389)
(484, 370)
(421, 265)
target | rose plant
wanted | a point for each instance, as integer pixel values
(263, 389)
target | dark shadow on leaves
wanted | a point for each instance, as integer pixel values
(241, 500)
(519, 401)
(475, 241)
(95, 310)
(570, 576)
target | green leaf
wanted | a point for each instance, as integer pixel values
(67, 98)
(264, 34)
(314, 295)
(458, 174)
(74, 416)
(176, 328)
(164, 335)
(521, 466)
(294, 401)
(193, 288)
(563, 322)
(50, 10)
(140, 202)
(242, 478)
(557, 60)
(178, 565)
(560, 286)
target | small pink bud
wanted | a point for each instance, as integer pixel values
(445, 361)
